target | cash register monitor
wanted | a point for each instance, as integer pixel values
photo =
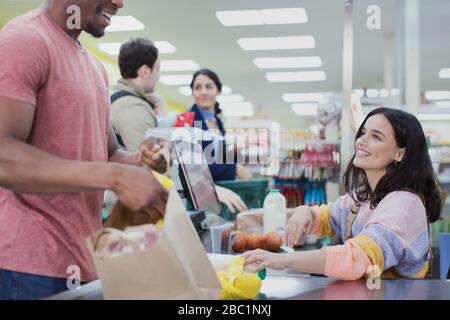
(196, 178)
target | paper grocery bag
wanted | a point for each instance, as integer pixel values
(155, 263)
(121, 217)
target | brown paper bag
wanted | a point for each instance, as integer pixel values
(175, 266)
(122, 217)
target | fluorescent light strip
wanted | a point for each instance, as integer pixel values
(384, 93)
(113, 48)
(375, 93)
(165, 47)
(279, 43)
(304, 109)
(230, 98)
(434, 117)
(437, 95)
(125, 23)
(303, 97)
(395, 92)
(302, 76)
(185, 91)
(262, 17)
(372, 93)
(359, 92)
(175, 79)
(444, 73)
(226, 90)
(442, 104)
(284, 16)
(288, 62)
(179, 65)
(239, 109)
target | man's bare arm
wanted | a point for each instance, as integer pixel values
(115, 154)
(24, 168)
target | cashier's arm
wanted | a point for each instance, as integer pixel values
(302, 261)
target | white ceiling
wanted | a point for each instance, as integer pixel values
(191, 25)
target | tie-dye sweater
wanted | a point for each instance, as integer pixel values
(391, 239)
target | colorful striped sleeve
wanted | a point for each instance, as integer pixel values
(322, 222)
(346, 262)
(395, 240)
(329, 220)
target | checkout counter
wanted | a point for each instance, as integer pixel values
(293, 286)
(290, 285)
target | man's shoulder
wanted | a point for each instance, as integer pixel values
(128, 101)
(27, 29)
(130, 107)
(125, 96)
(26, 25)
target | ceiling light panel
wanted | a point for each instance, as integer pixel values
(111, 48)
(277, 43)
(165, 47)
(185, 91)
(175, 79)
(437, 95)
(444, 73)
(230, 98)
(302, 76)
(125, 23)
(179, 65)
(303, 97)
(288, 62)
(434, 117)
(304, 109)
(239, 109)
(262, 17)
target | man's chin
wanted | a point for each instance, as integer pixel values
(96, 32)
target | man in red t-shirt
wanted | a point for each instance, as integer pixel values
(57, 150)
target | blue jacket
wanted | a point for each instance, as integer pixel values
(219, 171)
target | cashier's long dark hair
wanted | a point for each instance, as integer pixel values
(414, 173)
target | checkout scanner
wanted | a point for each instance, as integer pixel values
(196, 185)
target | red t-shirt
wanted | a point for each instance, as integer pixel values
(40, 64)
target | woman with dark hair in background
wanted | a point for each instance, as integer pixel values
(391, 197)
(206, 86)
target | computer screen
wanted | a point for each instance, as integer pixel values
(196, 178)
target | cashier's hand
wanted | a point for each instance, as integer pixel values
(299, 223)
(155, 156)
(139, 191)
(230, 199)
(265, 259)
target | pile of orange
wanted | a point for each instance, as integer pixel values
(271, 241)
